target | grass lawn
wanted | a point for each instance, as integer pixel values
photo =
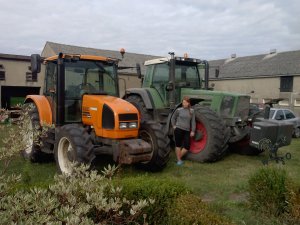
(222, 184)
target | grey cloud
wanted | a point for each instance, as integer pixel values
(205, 29)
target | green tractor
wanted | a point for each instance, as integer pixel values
(222, 119)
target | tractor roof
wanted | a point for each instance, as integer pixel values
(180, 59)
(156, 61)
(82, 57)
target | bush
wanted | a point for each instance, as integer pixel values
(269, 191)
(294, 213)
(189, 209)
(81, 198)
(163, 191)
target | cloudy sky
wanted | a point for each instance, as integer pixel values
(207, 29)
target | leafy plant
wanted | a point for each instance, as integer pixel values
(269, 191)
(164, 191)
(85, 197)
(15, 141)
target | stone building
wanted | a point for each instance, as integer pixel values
(263, 77)
(16, 80)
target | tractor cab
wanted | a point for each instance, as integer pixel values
(79, 75)
(159, 78)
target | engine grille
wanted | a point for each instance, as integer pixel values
(108, 119)
(128, 117)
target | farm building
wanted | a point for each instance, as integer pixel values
(263, 77)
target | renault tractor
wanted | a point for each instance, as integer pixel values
(84, 115)
(222, 119)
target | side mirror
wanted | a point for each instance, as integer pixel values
(35, 63)
(138, 70)
(169, 86)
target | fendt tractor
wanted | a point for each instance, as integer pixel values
(81, 100)
(222, 119)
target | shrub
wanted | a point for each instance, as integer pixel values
(294, 213)
(189, 209)
(269, 191)
(164, 191)
(81, 198)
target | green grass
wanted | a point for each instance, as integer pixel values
(222, 184)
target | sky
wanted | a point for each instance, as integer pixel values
(205, 29)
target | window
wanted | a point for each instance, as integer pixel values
(289, 114)
(286, 84)
(31, 76)
(279, 115)
(2, 72)
(161, 74)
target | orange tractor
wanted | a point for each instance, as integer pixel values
(80, 100)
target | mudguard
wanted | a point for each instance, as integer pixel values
(43, 106)
(144, 95)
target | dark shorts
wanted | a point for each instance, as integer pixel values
(182, 138)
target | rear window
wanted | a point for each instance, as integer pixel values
(289, 114)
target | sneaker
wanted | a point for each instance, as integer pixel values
(179, 163)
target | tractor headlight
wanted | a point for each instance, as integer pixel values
(123, 125)
(132, 125)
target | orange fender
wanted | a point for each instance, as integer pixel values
(43, 106)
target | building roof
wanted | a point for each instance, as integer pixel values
(15, 57)
(130, 59)
(267, 65)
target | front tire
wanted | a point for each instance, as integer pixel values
(152, 132)
(212, 145)
(73, 146)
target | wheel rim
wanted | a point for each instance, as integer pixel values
(65, 155)
(145, 136)
(28, 137)
(198, 146)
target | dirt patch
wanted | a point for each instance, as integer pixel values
(239, 197)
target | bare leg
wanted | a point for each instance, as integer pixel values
(183, 152)
(178, 153)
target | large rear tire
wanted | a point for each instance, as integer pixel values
(242, 147)
(212, 144)
(73, 146)
(138, 102)
(32, 135)
(152, 132)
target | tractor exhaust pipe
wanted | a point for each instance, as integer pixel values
(60, 93)
(206, 74)
(172, 81)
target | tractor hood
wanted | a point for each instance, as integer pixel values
(106, 113)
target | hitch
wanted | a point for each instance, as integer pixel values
(272, 149)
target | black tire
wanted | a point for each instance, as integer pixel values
(138, 102)
(153, 133)
(213, 144)
(242, 147)
(32, 139)
(72, 145)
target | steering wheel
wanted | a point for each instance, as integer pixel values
(86, 88)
